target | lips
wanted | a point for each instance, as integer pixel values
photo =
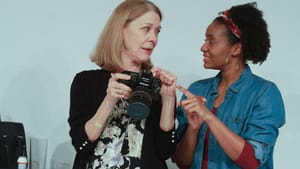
(205, 59)
(148, 50)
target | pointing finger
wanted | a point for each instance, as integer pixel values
(185, 91)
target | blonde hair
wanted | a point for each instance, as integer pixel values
(110, 44)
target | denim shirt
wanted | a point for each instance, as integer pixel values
(253, 109)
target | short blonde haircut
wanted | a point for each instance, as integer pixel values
(110, 44)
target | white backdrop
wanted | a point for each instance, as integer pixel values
(43, 44)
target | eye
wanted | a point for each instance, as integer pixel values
(157, 31)
(146, 28)
(210, 42)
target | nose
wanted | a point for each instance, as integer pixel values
(153, 37)
(203, 48)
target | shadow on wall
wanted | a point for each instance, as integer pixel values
(35, 97)
(38, 153)
(63, 156)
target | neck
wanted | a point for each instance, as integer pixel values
(232, 74)
(129, 64)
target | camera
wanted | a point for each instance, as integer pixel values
(145, 87)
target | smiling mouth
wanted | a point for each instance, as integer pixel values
(205, 59)
(147, 49)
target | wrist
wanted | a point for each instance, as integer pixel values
(168, 99)
(109, 101)
(193, 130)
(209, 117)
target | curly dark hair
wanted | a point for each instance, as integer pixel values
(254, 38)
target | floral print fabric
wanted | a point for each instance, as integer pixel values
(119, 146)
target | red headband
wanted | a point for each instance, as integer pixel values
(230, 24)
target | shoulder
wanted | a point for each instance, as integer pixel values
(201, 84)
(265, 92)
(268, 96)
(92, 74)
(91, 77)
(262, 83)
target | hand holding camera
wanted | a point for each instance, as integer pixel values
(145, 87)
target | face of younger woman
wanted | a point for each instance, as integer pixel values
(140, 38)
(216, 49)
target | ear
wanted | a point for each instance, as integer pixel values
(237, 49)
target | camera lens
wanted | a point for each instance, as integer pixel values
(139, 105)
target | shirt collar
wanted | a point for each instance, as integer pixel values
(236, 86)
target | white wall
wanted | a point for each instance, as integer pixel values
(44, 43)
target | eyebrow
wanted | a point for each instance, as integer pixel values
(209, 36)
(159, 27)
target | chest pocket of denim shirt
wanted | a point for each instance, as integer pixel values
(236, 124)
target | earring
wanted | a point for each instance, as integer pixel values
(237, 67)
(226, 60)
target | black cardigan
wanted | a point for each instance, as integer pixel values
(88, 90)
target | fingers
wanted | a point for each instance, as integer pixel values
(189, 106)
(156, 71)
(116, 89)
(165, 76)
(193, 105)
(117, 76)
(185, 91)
(168, 78)
(188, 94)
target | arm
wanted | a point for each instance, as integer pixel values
(168, 93)
(261, 128)
(114, 92)
(96, 124)
(87, 117)
(241, 151)
(231, 143)
(197, 113)
(81, 110)
(164, 141)
(186, 148)
(165, 120)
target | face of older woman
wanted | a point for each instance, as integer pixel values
(140, 37)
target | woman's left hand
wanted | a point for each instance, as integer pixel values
(168, 82)
(168, 95)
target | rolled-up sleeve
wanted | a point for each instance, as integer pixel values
(267, 116)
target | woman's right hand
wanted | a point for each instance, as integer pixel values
(117, 90)
(193, 106)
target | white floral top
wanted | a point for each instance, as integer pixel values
(120, 144)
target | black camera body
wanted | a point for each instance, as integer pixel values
(145, 87)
